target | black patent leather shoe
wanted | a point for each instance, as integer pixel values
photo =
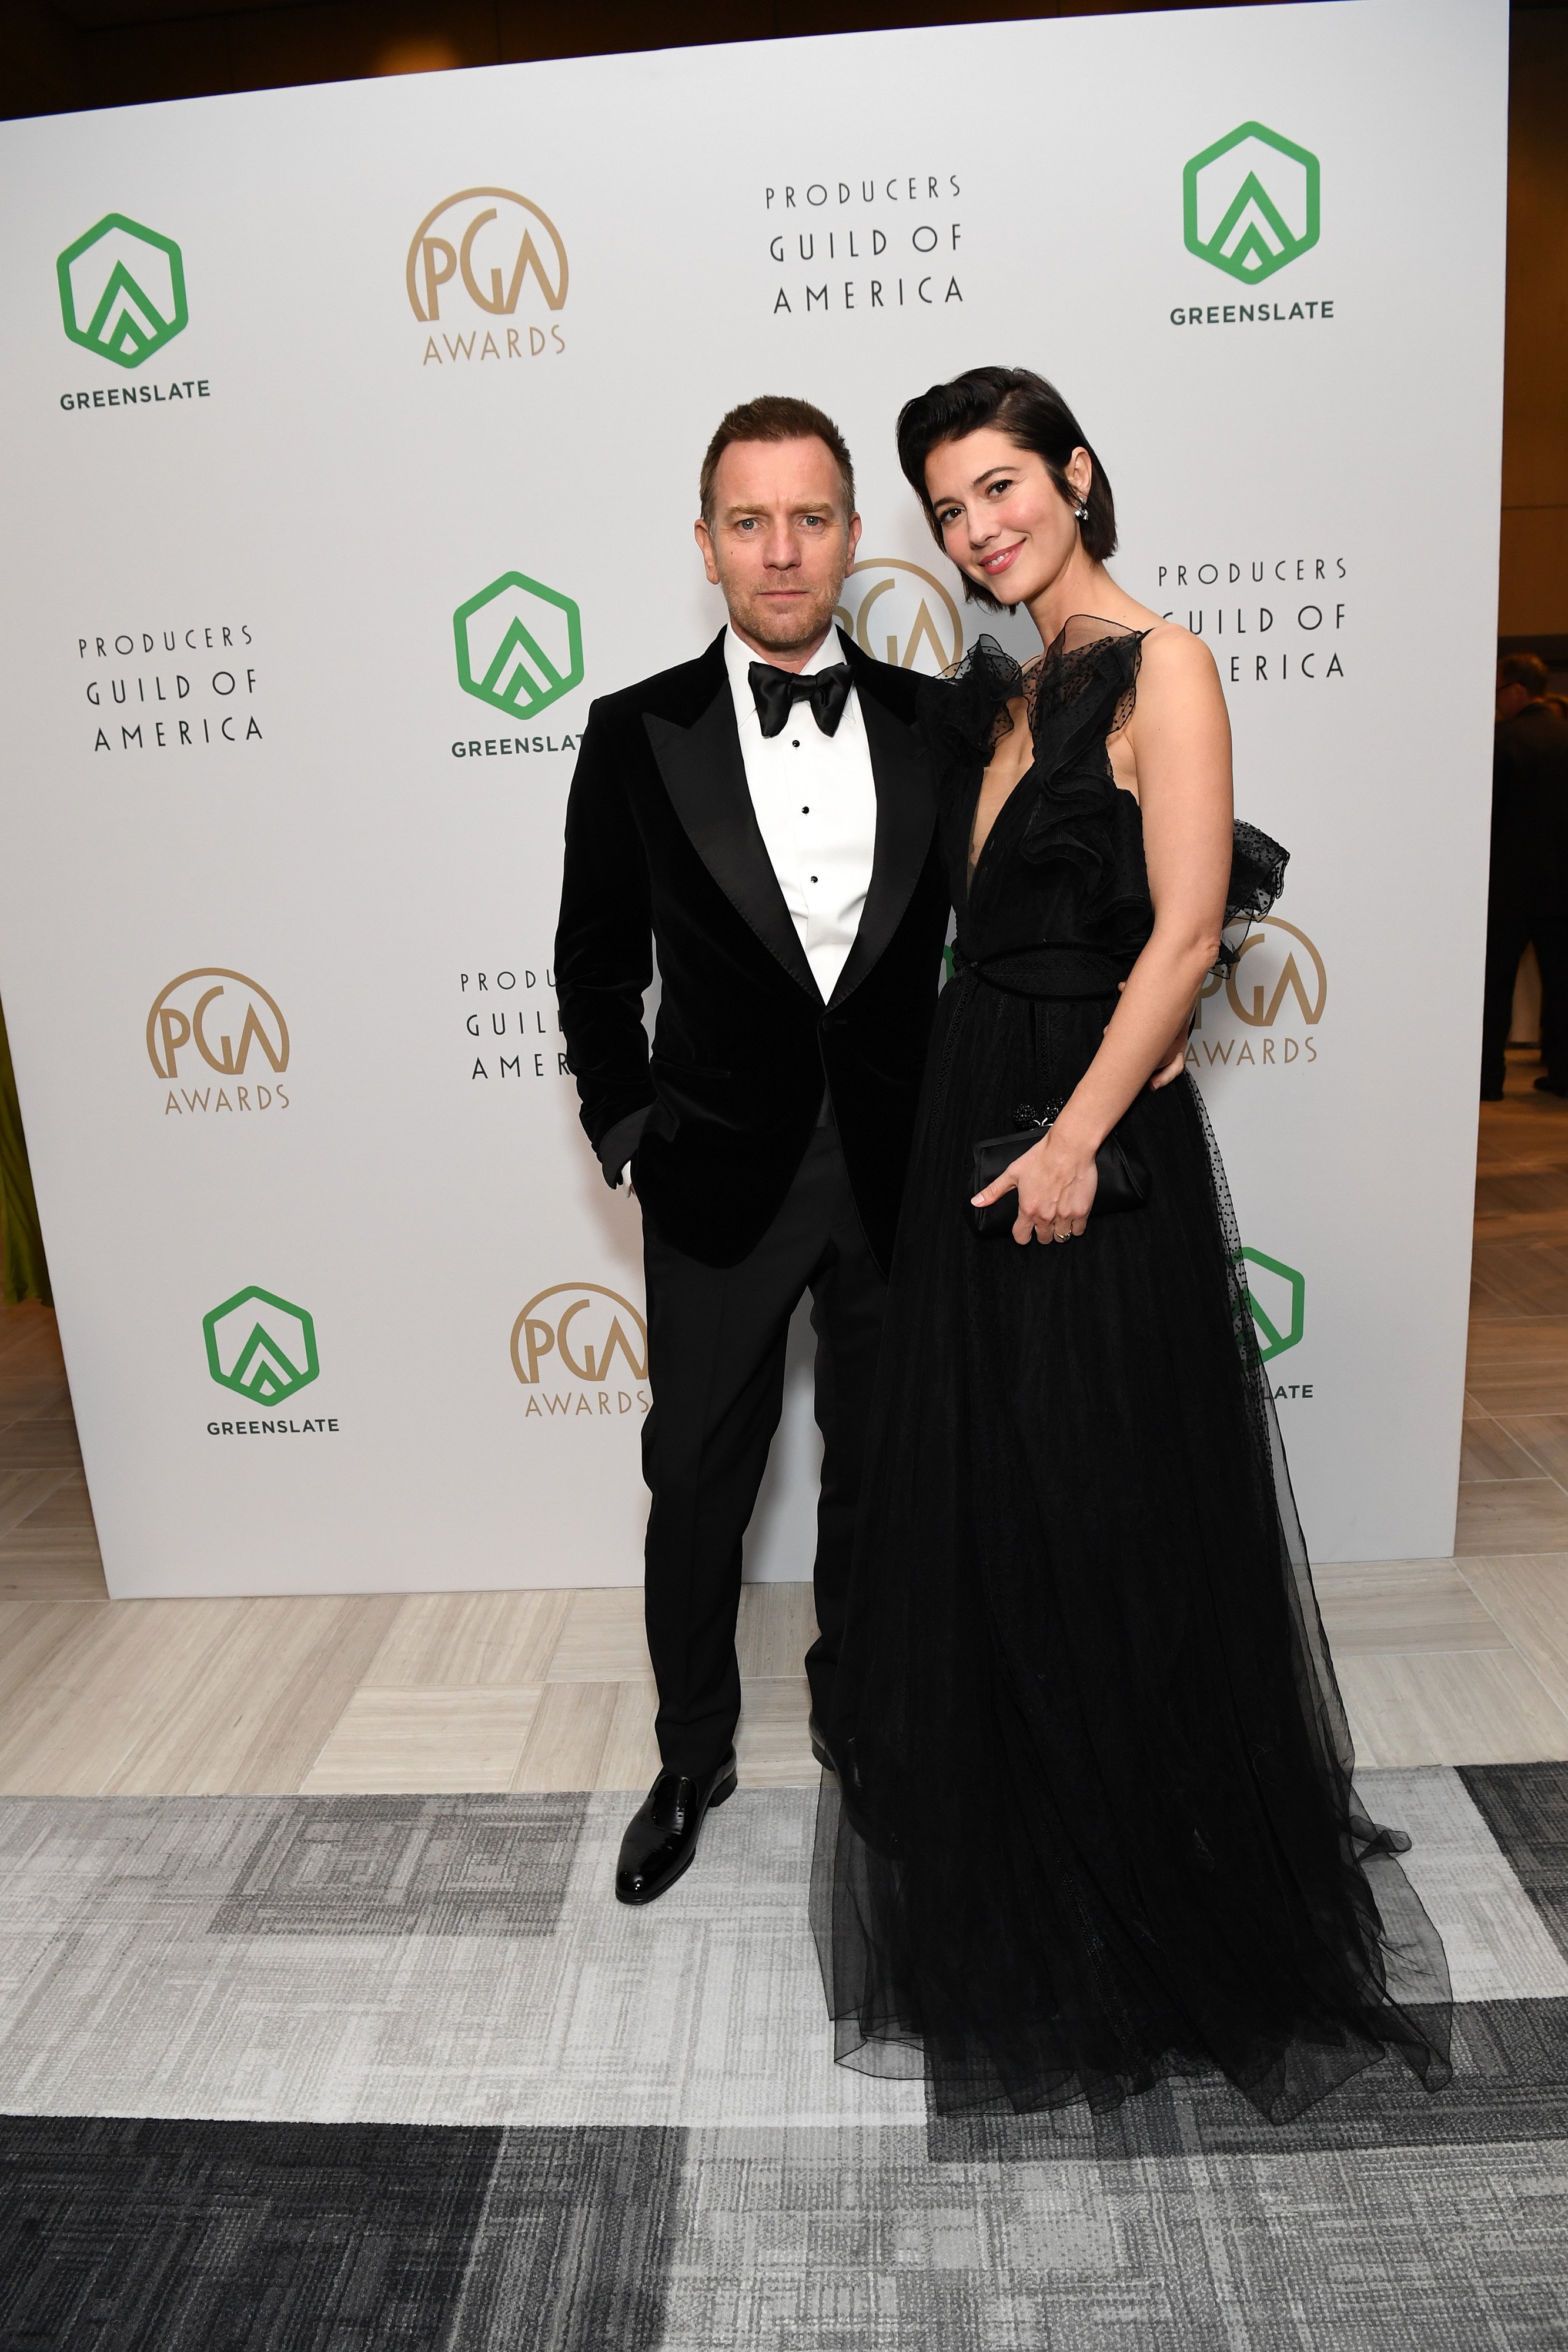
(661, 1839)
(820, 1748)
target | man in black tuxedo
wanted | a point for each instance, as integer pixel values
(1527, 896)
(762, 818)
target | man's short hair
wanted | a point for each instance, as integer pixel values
(775, 417)
(1524, 669)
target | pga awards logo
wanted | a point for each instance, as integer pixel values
(577, 1349)
(1264, 1010)
(220, 1043)
(488, 273)
(900, 613)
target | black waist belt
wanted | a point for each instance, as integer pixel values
(1065, 972)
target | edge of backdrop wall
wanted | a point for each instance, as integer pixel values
(68, 54)
(419, 1250)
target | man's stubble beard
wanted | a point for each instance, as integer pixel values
(788, 635)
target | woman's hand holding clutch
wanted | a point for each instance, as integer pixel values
(1055, 1182)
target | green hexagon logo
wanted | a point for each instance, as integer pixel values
(1279, 1303)
(520, 645)
(1251, 203)
(261, 1346)
(122, 290)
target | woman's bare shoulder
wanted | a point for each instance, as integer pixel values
(1173, 661)
(1171, 648)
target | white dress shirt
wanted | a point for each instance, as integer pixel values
(816, 808)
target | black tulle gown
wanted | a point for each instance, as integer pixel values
(1095, 1822)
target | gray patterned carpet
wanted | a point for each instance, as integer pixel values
(283, 2074)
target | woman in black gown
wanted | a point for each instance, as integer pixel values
(1095, 1822)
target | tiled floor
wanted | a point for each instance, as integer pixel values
(1462, 1660)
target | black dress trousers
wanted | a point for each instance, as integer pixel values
(716, 1340)
(1512, 925)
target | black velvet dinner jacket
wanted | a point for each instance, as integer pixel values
(664, 854)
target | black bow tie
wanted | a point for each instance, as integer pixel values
(775, 692)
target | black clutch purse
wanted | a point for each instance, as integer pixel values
(1123, 1180)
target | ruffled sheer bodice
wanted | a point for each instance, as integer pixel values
(1095, 1824)
(1064, 863)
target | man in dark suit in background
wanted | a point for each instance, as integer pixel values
(1527, 899)
(762, 819)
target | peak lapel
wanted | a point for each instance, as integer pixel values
(906, 819)
(704, 776)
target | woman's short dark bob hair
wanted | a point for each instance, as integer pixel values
(1032, 413)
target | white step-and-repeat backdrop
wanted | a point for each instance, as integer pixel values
(351, 449)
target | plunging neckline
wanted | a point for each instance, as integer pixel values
(975, 863)
(977, 856)
(1031, 676)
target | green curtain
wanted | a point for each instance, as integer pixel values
(26, 1269)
